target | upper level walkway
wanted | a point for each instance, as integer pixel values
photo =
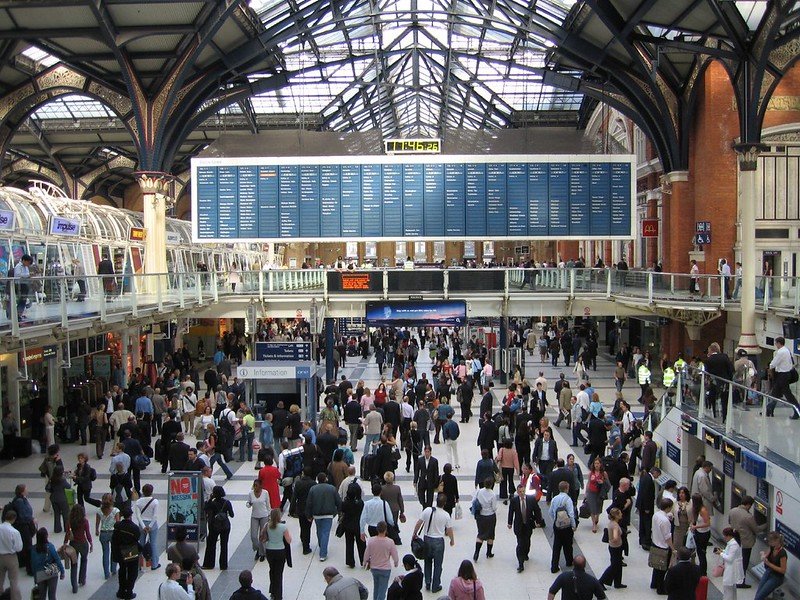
(50, 306)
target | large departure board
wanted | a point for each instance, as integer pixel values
(413, 197)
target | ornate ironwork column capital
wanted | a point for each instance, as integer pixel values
(748, 155)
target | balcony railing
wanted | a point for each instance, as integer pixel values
(704, 396)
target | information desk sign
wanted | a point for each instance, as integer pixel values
(283, 351)
(711, 438)
(184, 504)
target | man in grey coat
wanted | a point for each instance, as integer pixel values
(343, 588)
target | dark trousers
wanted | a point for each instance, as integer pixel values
(155, 424)
(277, 561)
(26, 532)
(613, 574)
(425, 495)
(305, 532)
(562, 540)
(645, 527)
(746, 552)
(351, 539)
(211, 548)
(781, 389)
(83, 494)
(127, 573)
(523, 545)
(702, 540)
(507, 483)
(523, 451)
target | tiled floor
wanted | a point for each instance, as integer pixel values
(305, 579)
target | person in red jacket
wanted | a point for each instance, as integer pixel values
(270, 478)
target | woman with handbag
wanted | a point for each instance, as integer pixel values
(381, 551)
(258, 503)
(275, 537)
(613, 537)
(486, 517)
(79, 536)
(349, 524)
(47, 566)
(125, 550)
(219, 512)
(99, 421)
(146, 511)
(83, 476)
(508, 461)
(106, 518)
(597, 479)
(731, 565)
(701, 530)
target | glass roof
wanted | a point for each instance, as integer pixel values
(415, 67)
(73, 107)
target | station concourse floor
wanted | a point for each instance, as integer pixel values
(305, 580)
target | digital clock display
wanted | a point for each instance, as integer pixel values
(416, 146)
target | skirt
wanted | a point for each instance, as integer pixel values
(595, 503)
(486, 527)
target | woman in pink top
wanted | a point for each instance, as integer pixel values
(367, 399)
(378, 558)
(465, 586)
(508, 461)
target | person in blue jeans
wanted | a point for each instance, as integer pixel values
(433, 525)
(378, 557)
(774, 567)
(107, 517)
(322, 505)
(265, 433)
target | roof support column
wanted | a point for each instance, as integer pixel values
(748, 163)
(678, 211)
(156, 196)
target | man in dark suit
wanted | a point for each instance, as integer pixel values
(178, 454)
(522, 519)
(598, 438)
(561, 473)
(645, 504)
(344, 385)
(487, 401)
(538, 403)
(193, 462)
(683, 577)
(393, 414)
(426, 477)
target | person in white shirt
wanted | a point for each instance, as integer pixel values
(258, 502)
(661, 537)
(10, 544)
(171, 589)
(351, 477)
(781, 368)
(434, 524)
(145, 510)
(188, 404)
(208, 484)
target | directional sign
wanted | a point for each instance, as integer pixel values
(702, 239)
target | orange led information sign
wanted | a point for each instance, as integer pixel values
(355, 282)
(138, 234)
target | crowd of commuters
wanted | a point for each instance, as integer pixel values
(308, 472)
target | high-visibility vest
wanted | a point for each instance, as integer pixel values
(669, 377)
(644, 374)
(680, 365)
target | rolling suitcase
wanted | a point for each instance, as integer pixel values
(367, 467)
(701, 593)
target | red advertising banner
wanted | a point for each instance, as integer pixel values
(649, 228)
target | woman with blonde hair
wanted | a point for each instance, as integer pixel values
(276, 537)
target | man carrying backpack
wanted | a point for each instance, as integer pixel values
(562, 512)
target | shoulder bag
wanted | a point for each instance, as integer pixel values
(658, 558)
(418, 548)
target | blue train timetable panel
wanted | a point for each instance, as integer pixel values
(373, 198)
